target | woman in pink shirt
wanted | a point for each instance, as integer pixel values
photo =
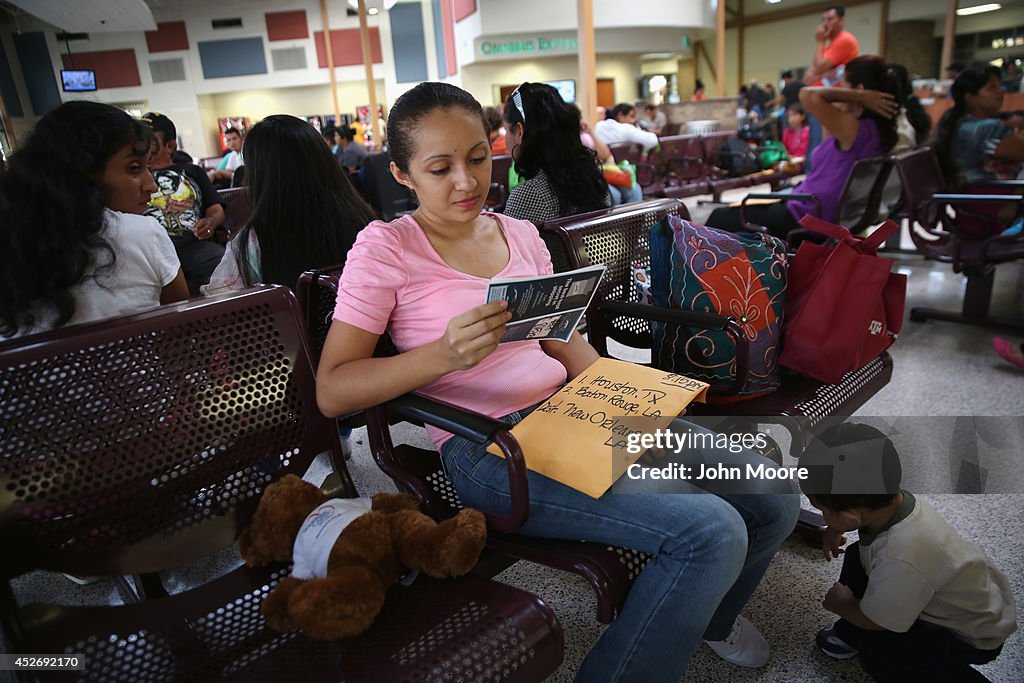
(421, 278)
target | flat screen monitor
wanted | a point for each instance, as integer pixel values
(78, 80)
(566, 88)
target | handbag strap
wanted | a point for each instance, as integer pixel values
(815, 224)
(868, 244)
(880, 235)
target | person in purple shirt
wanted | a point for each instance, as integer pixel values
(859, 115)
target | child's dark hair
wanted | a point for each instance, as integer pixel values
(51, 209)
(492, 115)
(797, 107)
(873, 481)
(621, 109)
(415, 105)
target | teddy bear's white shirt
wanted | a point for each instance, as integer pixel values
(319, 533)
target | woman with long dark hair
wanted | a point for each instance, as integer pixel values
(859, 114)
(422, 277)
(305, 212)
(971, 144)
(75, 246)
(560, 175)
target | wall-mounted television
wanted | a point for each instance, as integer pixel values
(566, 88)
(78, 80)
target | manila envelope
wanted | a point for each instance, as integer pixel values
(579, 436)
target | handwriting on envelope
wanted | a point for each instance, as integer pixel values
(578, 436)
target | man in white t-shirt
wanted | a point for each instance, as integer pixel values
(221, 176)
(620, 126)
(916, 601)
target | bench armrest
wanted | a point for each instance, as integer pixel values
(479, 429)
(978, 198)
(782, 196)
(704, 321)
(956, 199)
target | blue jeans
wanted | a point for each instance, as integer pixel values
(624, 195)
(709, 552)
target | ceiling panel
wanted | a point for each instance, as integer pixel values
(91, 16)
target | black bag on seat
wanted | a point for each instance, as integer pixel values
(737, 158)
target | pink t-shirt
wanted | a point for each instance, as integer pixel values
(395, 281)
(796, 141)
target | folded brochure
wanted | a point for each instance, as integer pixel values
(579, 436)
(546, 306)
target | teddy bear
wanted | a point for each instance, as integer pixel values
(347, 551)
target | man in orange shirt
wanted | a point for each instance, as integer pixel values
(827, 66)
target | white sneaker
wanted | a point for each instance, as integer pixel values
(745, 645)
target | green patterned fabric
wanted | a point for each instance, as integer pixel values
(696, 268)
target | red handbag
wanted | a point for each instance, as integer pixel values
(844, 306)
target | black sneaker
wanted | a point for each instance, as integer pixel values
(832, 645)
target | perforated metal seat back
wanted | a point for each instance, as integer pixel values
(922, 177)
(679, 148)
(124, 435)
(618, 238)
(862, 194)
(237, 210)
(627, 151)
(317, 294)
(466, 629)
(500, 164)
(712, 143)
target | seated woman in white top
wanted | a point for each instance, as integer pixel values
(305, 211)
(620, 126)
(75, 246)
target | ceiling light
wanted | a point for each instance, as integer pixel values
(773, 2)
(978, 9)
(373, 11)
(373, 5)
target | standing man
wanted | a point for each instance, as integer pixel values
(790, 94)
(185, 204)
(834, 47)
(221, 176)
(790, 90)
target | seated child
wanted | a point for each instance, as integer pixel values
(916, 601)
(797, 131)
